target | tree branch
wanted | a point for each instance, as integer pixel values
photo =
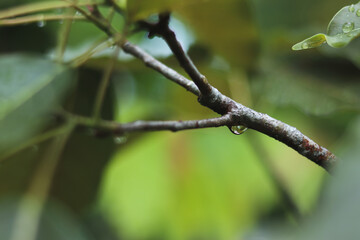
(162, 29)
(151, 62)
(242, 115)
(140, 126)
(221, 104)
(173, 126)
(210, 97)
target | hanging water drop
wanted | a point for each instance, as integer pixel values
(120, 140)
(305, 45)
(238, 130)
(348, 27)
(358, 13)
(352, 8)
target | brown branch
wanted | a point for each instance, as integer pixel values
(162, 29)
(151, 62)
(140, 126)
(210, 97)
(221, 104)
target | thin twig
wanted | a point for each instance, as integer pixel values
(151, 62)
(138, 126)
(162, 29)
(97, 47)
(43, 6)
(36, 140)
(63, 36)
(38, 18)
(98, 21)
(104, 83)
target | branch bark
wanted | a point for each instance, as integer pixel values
(234, 113)
(241, 115)
(140, 126)
(169, 73)
(162, 29)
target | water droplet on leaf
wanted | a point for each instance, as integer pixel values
(352, 8)
(305, 45)
(238, 130)
(358, 13)
(348, 27)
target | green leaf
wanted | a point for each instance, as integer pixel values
(175, 179)
(342, 29)
(30, 87)
(121, 3)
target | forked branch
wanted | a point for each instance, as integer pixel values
(232, 113)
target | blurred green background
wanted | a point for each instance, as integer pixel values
(200, 184)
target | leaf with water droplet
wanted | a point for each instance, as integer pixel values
(352, 8)
(238, 130)
(342, 29)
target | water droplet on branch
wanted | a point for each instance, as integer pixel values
(238, 130)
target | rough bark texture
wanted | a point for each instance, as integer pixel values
(232, 113)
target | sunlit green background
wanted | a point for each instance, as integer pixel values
(200, 184)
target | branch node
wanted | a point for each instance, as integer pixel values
(162, 29)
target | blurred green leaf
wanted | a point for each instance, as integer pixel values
(337, 214)
(309, 85)
(140, 9)
(121, 3)
(184, 186)
(80, 170)
(31, 87)
(226, 27)
(56, 223)
(342, 29)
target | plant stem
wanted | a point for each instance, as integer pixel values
(28, 217)
(104, 85)
(36, 140)
(63, 36)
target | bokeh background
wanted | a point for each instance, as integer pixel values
(202, 184)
